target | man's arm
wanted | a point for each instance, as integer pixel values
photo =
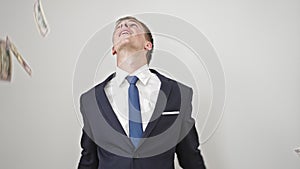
(189, 156)
(89, 158)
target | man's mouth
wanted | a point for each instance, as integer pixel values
(124, 32)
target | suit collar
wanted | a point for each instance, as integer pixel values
(160, 106)
(105, 106)
(111, 117)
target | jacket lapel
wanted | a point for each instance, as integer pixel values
(105, 106)
(160, 106)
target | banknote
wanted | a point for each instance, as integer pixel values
(40, 19)
(5, 61)
(297, 150)
(19, 57)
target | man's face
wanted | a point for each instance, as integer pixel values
(128, 33)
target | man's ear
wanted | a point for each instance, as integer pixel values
(113, 51)
(148, 45)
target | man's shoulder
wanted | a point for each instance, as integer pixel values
(98, 86)
(164, 78)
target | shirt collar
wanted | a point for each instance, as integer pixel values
(143, 73)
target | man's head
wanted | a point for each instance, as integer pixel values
(130, 31)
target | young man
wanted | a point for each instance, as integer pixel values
(137, 118)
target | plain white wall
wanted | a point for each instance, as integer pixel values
(258, 46)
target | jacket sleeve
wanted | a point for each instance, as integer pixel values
(188, 153)
(89, 158)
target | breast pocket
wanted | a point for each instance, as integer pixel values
(164, 123)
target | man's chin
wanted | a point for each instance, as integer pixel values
(123, 43)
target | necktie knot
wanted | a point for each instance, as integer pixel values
(132, 79)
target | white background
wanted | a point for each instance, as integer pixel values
(258, 46)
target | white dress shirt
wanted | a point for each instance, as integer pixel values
(117, 94)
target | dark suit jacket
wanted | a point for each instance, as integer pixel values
(106, 146)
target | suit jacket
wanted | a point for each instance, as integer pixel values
(105, 144)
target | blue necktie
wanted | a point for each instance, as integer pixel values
(135, 119)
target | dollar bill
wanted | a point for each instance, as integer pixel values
(19, 57)
(297, 150)
(40, 19)
(5, 61)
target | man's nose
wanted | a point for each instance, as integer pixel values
(124, 24)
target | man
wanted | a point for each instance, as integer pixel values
(137, 118)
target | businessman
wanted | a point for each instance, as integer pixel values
(137, 118)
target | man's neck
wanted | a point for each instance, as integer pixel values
(130, 62)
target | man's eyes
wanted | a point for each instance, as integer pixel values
(133, 25)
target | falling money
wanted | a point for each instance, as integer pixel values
(7, 49)
(5, 62)
(18, 56)
(297, 150)
(40, 19)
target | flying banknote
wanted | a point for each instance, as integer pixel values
(40, 19)
(7, 49)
